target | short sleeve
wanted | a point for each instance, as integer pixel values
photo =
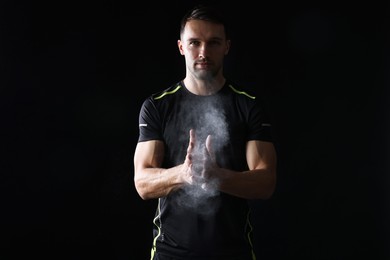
(149, 122)
(260, 127)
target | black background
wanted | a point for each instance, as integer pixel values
(74, 74)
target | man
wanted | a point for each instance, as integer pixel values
(204, 149)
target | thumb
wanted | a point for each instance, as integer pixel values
(209, 147)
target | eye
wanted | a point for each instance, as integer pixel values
(194, 43)
(215, 43)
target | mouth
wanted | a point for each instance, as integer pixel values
(203, 64)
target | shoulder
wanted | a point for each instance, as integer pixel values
(163, 97)
(168, 92)
(240, 91)
(245, 97)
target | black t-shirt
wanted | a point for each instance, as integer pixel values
(193, 221)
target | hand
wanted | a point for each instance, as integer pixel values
(200, 163)
(189, 175)
(209, 164)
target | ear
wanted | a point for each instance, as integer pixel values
(180, 45)
(228, 43)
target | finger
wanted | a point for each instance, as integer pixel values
(191, 143)
(192, 136)
(209, 148)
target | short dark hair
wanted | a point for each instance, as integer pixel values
(208, 13)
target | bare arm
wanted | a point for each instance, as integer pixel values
(152, 181)
(256, 183)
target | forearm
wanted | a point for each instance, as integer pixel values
(254, 184)
(154, 183)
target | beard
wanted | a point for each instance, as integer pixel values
(205, 73)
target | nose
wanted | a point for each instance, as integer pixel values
(202, 51)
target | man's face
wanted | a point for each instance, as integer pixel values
(204, 46)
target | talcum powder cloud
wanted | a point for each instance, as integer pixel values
(209, 119)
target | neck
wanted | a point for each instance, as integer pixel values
(204, 87)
